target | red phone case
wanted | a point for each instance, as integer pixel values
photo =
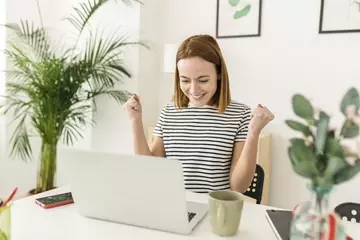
(55, 204)
(52, 205)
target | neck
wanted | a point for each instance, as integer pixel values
(203, 106)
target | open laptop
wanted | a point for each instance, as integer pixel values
(136, 190)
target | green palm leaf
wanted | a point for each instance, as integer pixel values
(119, 96)
(35, 37)
(77, 119)
(103, 57)
(21, 147)
(83, 13)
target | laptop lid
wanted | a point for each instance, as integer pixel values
(136, 190)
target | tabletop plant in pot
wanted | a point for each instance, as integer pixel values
(52, 88)
(326, 156)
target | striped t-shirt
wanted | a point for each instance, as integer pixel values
(203, 139)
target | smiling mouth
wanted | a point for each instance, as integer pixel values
(198, 97)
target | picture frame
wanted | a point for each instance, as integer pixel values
(339, 16)
(238, 19)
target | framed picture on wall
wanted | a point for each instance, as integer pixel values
(236, 19)
(339, 16)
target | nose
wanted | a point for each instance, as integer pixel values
(194, 88)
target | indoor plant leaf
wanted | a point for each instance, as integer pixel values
(303, 159)
(350, 129)
(333, 148)
(321, 132)
(243, 12)
(84, 12)
(334, 166)
(302, 107)
(20, 140)
(347, 173)
(297, 141)
(299, 127)
(35, 37)
(350, 98)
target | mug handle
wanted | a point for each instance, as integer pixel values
(221, 215)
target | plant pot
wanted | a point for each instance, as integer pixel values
(314, 220)
(33, 192)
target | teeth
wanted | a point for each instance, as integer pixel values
(197, 96)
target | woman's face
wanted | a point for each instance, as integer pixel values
(198, 80)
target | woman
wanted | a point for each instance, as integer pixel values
(214, 137)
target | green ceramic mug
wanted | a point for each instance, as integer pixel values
(225, 209)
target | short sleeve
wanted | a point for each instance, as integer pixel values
(244, 125)
(158, 131)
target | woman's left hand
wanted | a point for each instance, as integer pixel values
(261, 116)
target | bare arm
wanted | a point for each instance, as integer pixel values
(243, 163)
(141, 146)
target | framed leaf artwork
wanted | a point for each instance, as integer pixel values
(339, 16)
(238, 18)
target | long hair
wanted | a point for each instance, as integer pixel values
(205, 47)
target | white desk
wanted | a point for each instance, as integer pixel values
(30, 221)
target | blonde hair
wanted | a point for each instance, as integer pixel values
(205, 47)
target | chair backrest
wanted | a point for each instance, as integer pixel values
(349, 211)
(256, 187)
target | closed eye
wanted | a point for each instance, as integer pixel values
(185, 80)
(203, 80)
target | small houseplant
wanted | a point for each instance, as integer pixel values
(322, 155)
(52, 88)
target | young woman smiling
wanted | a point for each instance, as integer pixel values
(213, 136)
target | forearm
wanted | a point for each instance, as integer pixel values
(141, 146)
(244, 169)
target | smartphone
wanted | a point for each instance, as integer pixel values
(55, 200)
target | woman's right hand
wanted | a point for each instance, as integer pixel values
(133, 108)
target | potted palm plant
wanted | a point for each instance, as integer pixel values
(52, 89)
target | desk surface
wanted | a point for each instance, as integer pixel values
(30, 221)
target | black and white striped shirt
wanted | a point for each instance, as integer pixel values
(203, 139)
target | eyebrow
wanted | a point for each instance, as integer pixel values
(202, 76)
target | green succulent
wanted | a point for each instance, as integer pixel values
(318, 154)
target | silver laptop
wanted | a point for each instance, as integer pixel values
(135, 190)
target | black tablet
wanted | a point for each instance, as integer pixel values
(280, 221)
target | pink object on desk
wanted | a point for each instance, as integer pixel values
(9, 198)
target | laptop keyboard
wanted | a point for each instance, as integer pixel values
(191, 215)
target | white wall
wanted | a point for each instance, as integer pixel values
(112, 131)
(150, 71)
(289, 57)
